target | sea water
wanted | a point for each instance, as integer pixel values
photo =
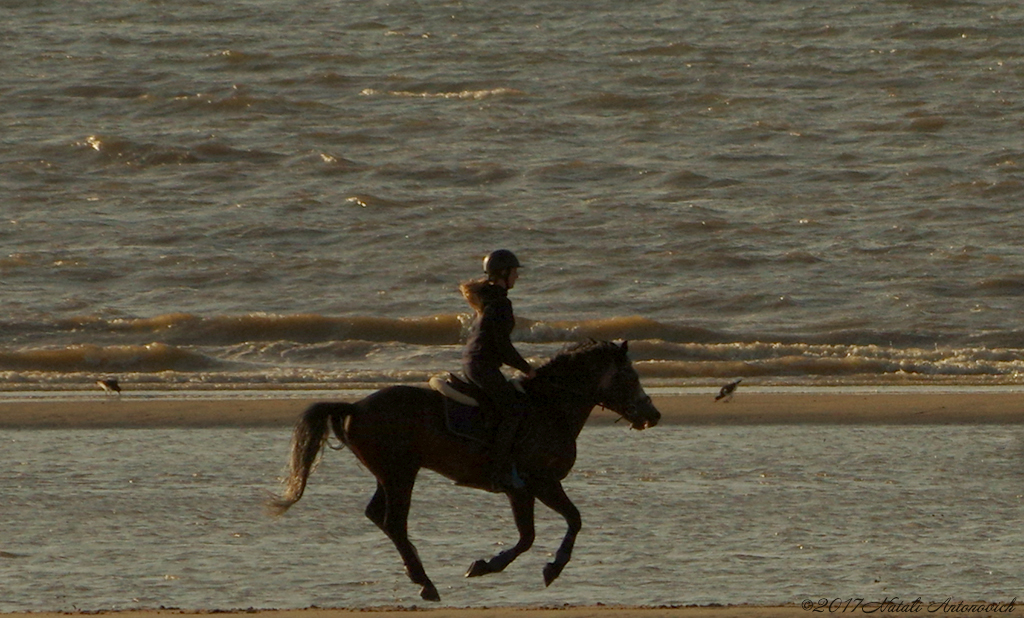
(259, 191)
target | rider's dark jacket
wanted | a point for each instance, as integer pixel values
(490, 343)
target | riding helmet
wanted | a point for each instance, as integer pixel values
(499, 262)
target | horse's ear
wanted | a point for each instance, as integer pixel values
(624, 347)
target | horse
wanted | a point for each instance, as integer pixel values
(398, 430)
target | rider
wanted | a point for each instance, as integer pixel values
(488, 348)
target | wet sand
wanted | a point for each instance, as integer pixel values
(142, 410)
(715, 611)
(574, 612)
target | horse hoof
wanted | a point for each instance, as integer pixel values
(551, 573)
(429, 593)
(478, 568)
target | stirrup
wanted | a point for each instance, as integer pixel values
(517, 481)
(511, 481)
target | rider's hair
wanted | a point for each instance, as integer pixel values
(471, 292)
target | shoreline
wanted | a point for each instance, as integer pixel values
(268, 409)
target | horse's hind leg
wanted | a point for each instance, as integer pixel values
(397, 498)
(377, 508)
(522, 509)
(554, 497)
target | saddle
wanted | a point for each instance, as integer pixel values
(464, 415)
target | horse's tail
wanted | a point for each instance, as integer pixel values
(308, 441)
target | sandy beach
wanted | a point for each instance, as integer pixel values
(140, 410)
(975, 610)
(569, 612)
(574, 612)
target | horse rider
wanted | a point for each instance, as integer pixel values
(488, 348)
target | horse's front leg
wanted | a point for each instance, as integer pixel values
(522, 510)
(552, 495)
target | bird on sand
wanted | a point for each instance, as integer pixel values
(728, 390)
(109, 386)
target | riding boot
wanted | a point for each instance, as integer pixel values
(503, 473)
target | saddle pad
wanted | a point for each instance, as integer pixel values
(468, 422)
(441, 385)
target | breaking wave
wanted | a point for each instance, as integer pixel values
(316, 349)
(153, 357)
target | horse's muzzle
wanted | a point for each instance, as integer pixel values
(643, 414)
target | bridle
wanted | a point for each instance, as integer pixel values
(628, 414)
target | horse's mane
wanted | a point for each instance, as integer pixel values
(572, 368)
(570, 356)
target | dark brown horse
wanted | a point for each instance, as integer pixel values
(398, 430)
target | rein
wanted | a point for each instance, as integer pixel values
(578, 393)
(583, 395)
(567, 373)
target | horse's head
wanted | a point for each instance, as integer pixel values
(620, 391)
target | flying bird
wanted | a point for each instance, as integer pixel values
(728, 390)
(109, 386)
